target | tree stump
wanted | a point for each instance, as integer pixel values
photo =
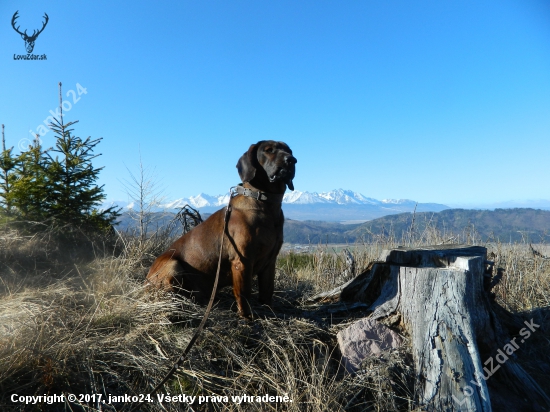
(462, 341)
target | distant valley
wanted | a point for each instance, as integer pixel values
(319, 217)
(507, 225)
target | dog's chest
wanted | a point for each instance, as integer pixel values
(268, 228)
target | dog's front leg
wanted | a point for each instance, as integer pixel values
(266, 284)
(241, 271)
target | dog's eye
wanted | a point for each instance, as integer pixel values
(269, 150)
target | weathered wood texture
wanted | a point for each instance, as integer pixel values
(455, 332)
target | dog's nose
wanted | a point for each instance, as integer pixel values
(290, 160)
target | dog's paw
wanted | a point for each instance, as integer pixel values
(246, 318)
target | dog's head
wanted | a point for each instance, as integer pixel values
(268, 165)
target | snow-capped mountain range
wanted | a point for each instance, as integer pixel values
(337, 196)
(334, 197)
(336, 205)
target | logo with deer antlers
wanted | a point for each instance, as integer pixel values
(29, 40)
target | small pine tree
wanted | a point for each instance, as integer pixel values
(58, 184)
(8, 164)
(29, 192)
(73, 196)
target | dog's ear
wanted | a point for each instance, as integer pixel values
(247, 163)
(290, 184)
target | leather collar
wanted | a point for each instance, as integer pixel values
(259, 195)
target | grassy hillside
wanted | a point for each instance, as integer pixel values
(76, 318)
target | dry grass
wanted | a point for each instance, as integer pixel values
(76, 319)
(526, 282)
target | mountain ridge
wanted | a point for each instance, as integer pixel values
(506, 225)
(337, 205)
(335, 196)
(334, 205)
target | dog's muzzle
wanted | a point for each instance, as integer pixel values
(290, 160)
(286, 172)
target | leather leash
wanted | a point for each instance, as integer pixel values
(183, 356)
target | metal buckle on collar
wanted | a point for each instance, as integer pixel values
(234, 191)
(255, 195)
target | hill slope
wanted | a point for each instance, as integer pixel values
(533, 225)
(507, 225)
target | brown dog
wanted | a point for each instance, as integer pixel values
(252, 240)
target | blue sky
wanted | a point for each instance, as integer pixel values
(436, 101)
